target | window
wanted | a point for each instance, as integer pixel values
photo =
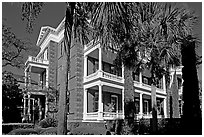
(136, 76)
(60, 49)
(96, 102)
(145, 80)
(114, 102)
(137, 106)
(59, 74)
(146, 107)
(181, 107)
(95, 65)
(160, 84)
(159, 107)
(179, 82)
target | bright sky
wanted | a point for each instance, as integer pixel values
(53, 13)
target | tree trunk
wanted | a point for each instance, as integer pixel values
(129, 93)
(154, 109)
(62, 110)
(175, 97)
(191, 108)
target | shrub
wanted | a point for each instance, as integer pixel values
(88, 130)
(7, 127)
(49, 131)
(20, 131)
(48, 122)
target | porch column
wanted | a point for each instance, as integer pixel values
(141, 104)
(46, 105)
(165, 108)
(29, 77)
(85, 102)
(29, 116)
(100, 103)
(123, 102)
(85, 66)
(122, 71)
(46, 78)
(24, 104)
(164, 83)
(100, 58)
(26, 78)
(140, 78)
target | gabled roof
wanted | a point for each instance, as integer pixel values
(44, 31)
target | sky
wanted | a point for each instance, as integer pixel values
(53, 13)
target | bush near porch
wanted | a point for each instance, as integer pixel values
(143, 126)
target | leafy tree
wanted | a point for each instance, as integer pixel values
(11, 98)
(13, 48)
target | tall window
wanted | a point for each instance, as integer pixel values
(146, 107)
(136, 76)
(96, 102)
(181, 107)
(59, 74)
(60, 49)
(114, 102)
(137, 106)
(95, 65)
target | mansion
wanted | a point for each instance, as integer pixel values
(96, 88)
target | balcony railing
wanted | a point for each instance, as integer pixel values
(37, 60)
(111, 115)
(147, 87)
(103, 74)
(106, 115)
(111, 76)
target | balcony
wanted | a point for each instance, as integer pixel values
(36, 65)
(148, 87)
(35, 60)
(105, 75)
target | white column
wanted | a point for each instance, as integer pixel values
(29, 77)
(100, 103)
(140, 78)
(29, 118)
(165, 108)
(123, 102)
(46, 78)
(85, 102)
(122, 71)
(24, 104)
(85, 66)
(164, 83)
(46, 104)
(100, 58)
(141, 104)
(26, 78)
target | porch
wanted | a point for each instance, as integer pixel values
(102, 102)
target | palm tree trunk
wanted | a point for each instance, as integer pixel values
(62, 113)
(129, 93)
(154, 109)
(191, 108)
(63, 99)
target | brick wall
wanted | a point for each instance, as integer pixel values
(76, 82)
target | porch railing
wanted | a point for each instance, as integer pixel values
(106, 75)
(37, 60)
(112, 115)
(106, 115)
